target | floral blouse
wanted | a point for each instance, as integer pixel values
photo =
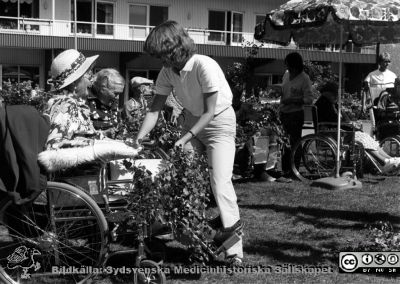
(70, 123)
(103, 117)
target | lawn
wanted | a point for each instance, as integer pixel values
(295, 224)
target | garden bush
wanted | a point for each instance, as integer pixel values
(24, 94)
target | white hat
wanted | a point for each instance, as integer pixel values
(68, 67)
(137, 81)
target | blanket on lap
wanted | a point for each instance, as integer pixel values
(100, 151)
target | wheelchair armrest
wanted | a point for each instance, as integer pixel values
(149, 144)
(333, 125)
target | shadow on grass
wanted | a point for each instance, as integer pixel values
(318, 213)
(290, 252)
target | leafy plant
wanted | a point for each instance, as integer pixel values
(319, 74)
(24, 94)
(263, 116)
(180, 193)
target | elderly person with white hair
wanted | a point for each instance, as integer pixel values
(108, 85)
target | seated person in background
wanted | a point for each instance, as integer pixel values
(142, 91)
(108, 85)
(328, 112)
(140, 88)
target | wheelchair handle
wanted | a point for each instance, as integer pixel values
(149, 143)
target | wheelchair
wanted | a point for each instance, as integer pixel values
(67, 232)
(385, 114)
(314, 156)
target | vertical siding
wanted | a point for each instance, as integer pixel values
(20, 56)
(62, 9)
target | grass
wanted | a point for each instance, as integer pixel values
(295, 224)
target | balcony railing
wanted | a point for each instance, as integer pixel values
(62, 28)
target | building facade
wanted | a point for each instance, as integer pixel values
(32, 32)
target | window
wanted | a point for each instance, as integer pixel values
(89, 10)
(83, 14)
(158, 15)
(105, 14)
(225, 26)
(216, 22)
(19, 74)
(18, 8)
(264, 80)
(237, 27)
(142, 16)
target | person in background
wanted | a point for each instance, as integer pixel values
(108, 85)
(210, 122)
(70, 123)
(142, 92)
(327, 111)
(296, 92)
(379, 80)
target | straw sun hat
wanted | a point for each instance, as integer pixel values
(69, 66)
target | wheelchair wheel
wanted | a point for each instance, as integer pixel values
(391, 145)
(62, 228)
(314, 157)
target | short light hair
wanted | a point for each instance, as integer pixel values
(109, 79)
(384, 56)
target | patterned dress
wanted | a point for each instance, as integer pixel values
(70, 123)
(103, 117)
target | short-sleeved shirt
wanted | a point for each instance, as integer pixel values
(298, 87)
(200, 75)
(379, 81)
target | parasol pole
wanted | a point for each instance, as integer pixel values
(338, 182)
(339, 100)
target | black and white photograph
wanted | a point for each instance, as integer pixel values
(186, 142)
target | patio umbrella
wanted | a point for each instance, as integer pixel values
(307, 22)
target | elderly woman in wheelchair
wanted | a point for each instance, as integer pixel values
(327, 112)
(67, 224)
(315, 155)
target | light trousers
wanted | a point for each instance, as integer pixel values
(218, 140)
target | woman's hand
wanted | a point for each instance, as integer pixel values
(180, 143)
(135, 142)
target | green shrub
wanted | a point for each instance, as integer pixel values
(24, 94)
(179, 193)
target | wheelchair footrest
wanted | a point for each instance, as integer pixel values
(230, 242)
